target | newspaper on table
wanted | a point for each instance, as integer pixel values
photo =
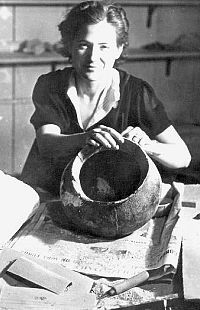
(153, 246)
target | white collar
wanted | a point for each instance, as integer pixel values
(108, 100)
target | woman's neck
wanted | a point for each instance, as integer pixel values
(89, 88)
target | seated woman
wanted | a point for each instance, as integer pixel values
(17, 202)
(92, 102)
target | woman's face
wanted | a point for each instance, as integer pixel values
(94, 51)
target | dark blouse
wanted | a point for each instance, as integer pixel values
(138, 106)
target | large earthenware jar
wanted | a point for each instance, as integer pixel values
(110, 193)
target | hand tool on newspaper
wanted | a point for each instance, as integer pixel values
(137, 280)
(127, 284)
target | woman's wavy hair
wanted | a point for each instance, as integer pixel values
(93, 12)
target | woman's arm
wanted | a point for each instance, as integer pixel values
(168, 148)
(172, 151)
(53, 144)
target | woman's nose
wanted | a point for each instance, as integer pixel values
(94, 53)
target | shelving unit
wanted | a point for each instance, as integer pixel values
(21, 59)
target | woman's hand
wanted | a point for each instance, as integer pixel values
(137, 135)
(104, 136)
(166, 148)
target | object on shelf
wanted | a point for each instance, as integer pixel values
(38, 47)
(8, 46)
(157, 46)
(184, 42)
(35, 46)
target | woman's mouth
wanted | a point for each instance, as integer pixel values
(92, 67)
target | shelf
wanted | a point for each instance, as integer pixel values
(142, 55)
(23, 59)
(124, 2)
(10, 59)
(132, 55)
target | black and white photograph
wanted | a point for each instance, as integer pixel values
(99, 155)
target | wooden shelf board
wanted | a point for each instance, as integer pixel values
(17, 58)
(12, 59)
(141, 54)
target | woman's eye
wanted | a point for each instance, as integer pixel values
(83, 46)
(104, 47)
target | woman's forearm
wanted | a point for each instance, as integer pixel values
(53, 144)
(59, 145)
(170, 155)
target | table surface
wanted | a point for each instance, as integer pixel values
(171, 295)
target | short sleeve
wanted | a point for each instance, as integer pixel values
(46, 105)
(152, 115)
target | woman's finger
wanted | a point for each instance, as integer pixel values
(127, 131)
(100, 138)
(114, 133)
(136, 134)
(113, 143)
(131, 134)
(93, 142)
